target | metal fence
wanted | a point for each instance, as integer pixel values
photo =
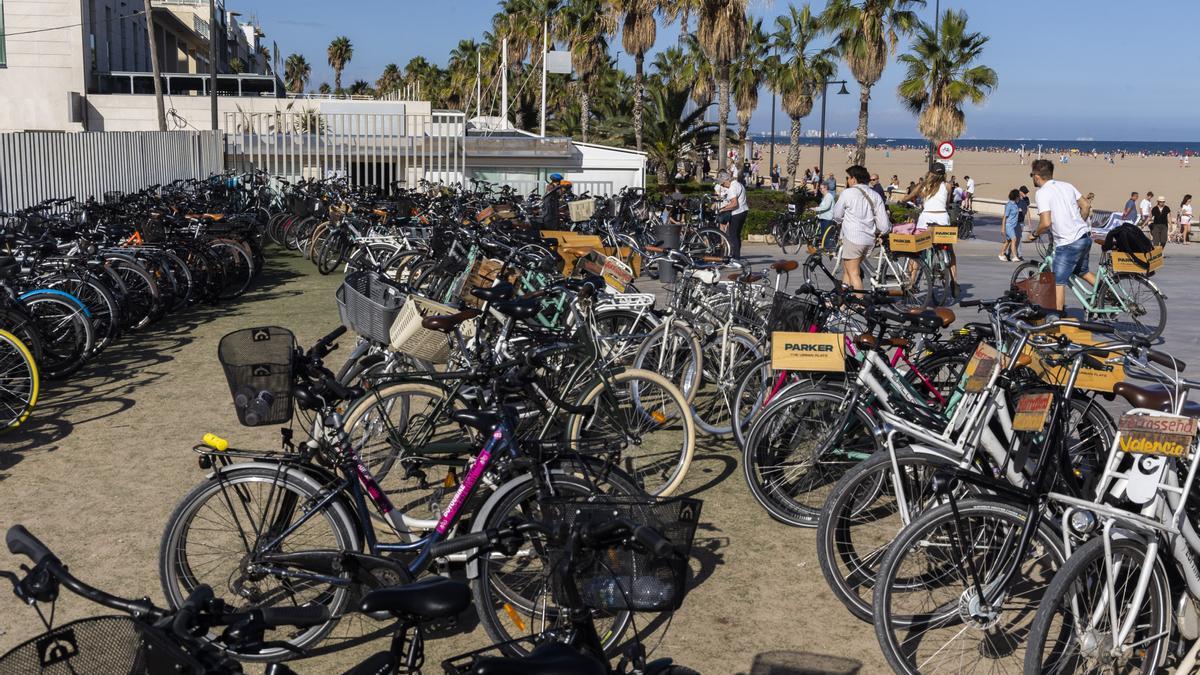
(369, 149)
(594, 188)
(35, 166)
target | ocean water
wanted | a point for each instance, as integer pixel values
(1048, 146)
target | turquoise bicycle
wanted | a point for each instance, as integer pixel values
(1129, 301)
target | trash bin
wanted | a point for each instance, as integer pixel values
(668, 236)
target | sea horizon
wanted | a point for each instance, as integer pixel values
(1030, 145)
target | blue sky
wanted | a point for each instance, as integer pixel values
(1103, 69)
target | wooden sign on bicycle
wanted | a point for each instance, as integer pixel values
(1091, 379)
(1032, 411)
(1166, 435)
(825, 352)
(945, 234)
(910, 243)
(1137, 263)
(980, 367)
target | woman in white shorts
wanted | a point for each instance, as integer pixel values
(932, 189)
(1185, 219)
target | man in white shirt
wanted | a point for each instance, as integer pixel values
(1063, 211)
(1144, 207)
(736, 206)
(863, 217)
(969, 198)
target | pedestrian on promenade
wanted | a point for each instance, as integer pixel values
(1130, 214)
(736, 206)
(1022, 217)
(832, 183)
(877, 187)
(1160, 221)
(864, 218)
(932, 193)
(775, 177)
(894, 186)
(1063, 212)
(824, 210)
(1144, 207)
(969, 193)
(1185, 219)
(1012, 230)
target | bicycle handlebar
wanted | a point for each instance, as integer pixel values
(21, 542)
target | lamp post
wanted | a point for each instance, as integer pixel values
(824, 97)
(771, 160)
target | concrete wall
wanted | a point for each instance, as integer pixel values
(136, 112)
(42, 67)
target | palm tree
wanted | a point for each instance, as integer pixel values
(340, 52)
(721, 28)
(389, 80)
(866, 34)
(520, 23)
(462, 71)
(683, 10)
(671, 131)
(266, 58)
(700, 76)
(798, 70)
(670, 69)
(360, 88)
(639, 29)
(237, 65)
(748, 76)
(324, 89)
(584, 27)
(296, 72)
(943, 74)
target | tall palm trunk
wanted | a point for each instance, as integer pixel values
(639, 84)
(585, 112)
(722, 117)
(337, 80)
(860, 153)
(793, 156)
(743, 134)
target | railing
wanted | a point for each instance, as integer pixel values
(591, 187)
(368, 148)
(35, 166)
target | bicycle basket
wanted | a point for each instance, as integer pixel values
(368, 305)
(793, 313)
(617, 578)
(100, 644)
(258, 367)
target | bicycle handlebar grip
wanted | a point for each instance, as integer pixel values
(1095, 327)
(200, 598)
(970, 303)
(319, 347)
(1165, 360)
(21, 542)
(651, 538)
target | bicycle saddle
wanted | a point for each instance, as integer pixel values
(499, 292)
(1154, 397)
(745, 277)
(785, 265)
(517, 309)
(448, 322)
(429, 598)
(551, 659)
(476, 419)
(946, 316)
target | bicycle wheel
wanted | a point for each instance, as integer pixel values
(330, 253)
(939, 276)
(819, 275)
(1143, 310)
(141, 298)
(673, 350)
(800, 447)
(621, 331)
(65, 329)
(725, 361)
(18, 382)
(927, 613)
(1029, 269)
(911, 276)
(513, 596)
(1073, 629)
(216, 534)
(238, 266)
(862, 517)
(648, 418)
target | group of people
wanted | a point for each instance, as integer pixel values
(1154, 215)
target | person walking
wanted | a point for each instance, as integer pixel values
(1160, 222)
(1022, 218)
(969, 193)
(1012, 228)
(832, 183)
(824, 210)
(1063, 212)
(1144, 207)
(1129, 215)
(877, 187)
(736, 206)
(931, 193)
(864, 218)
(775, 177)
(1185, 219)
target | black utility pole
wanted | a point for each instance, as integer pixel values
(824, 98)
(212, 59)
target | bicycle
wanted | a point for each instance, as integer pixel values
(899, 274)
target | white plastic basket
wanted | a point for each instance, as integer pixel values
(408, 336)
(581, 209)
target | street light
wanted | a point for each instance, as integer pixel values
(824, 97)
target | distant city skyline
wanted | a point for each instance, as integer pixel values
(1065, 70)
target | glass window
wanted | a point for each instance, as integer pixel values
(3, 53)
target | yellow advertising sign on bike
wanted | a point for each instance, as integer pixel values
(825, 352)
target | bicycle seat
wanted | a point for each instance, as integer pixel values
(476, 419)
(517, 309)
(745, 277)
(429, 598)
(1154, 397)
(550, 659)
(448, 322)
(866, 341)
(945, 315)
(785, 265)
(497, 293)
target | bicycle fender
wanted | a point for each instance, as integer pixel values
(341, 508)
(62, 294)
(481, 516)
(922, 449)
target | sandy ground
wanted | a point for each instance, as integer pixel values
(996, 173)
(107, 456)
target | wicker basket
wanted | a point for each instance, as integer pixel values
(483, 275)
(408, 336)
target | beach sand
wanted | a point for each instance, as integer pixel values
(996, 173)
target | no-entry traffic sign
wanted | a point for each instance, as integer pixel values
(945, 150)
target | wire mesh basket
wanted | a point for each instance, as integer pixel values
(618, 578)
(258, 368)
(101, 644)
(794, 313)
(368, 304)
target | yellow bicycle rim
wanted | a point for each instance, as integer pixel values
(33, 372)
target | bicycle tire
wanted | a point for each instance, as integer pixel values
(65, 329)
(683, 359)
(1139, 298)
(19, 375)
(712, 406)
